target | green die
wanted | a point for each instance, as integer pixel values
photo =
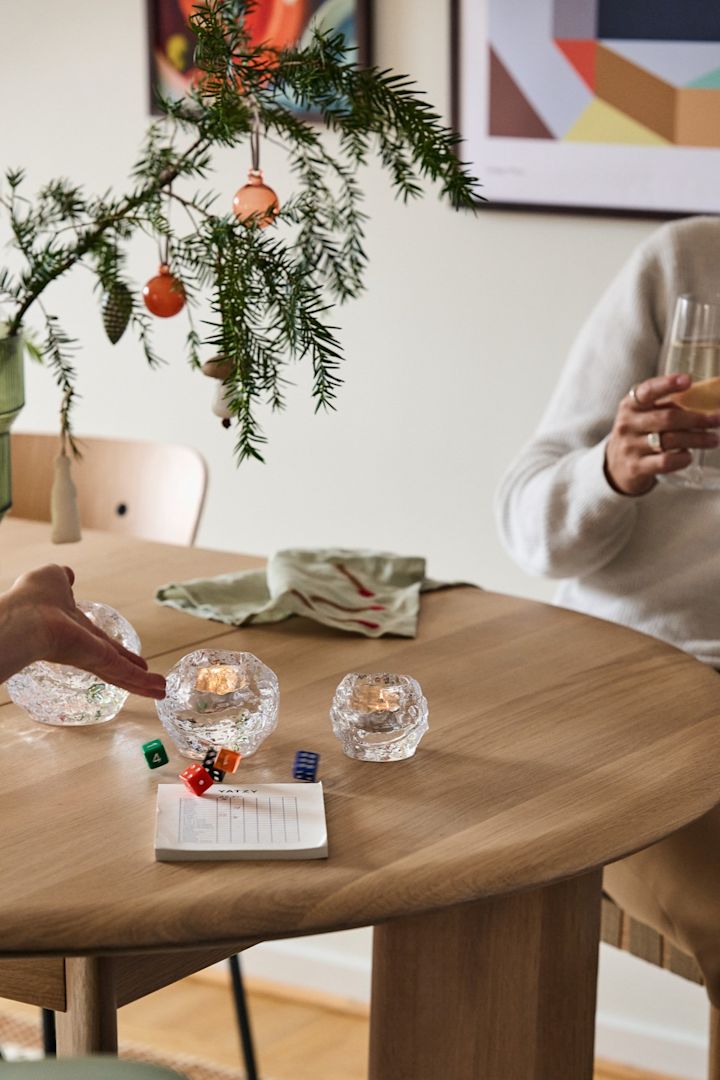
(155, 754)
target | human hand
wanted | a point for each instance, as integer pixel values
(631, 463)
(39, 620)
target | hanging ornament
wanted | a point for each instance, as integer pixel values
(164, 294)
(255, 203)
(116, 311)
(219, 368)
(63, 504)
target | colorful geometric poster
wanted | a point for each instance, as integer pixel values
(279, 23)
(598, 104)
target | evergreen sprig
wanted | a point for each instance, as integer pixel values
(270, 291)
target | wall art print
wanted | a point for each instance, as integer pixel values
(591, 104)
(280, 22)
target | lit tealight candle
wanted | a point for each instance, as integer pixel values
(379, 716)
(369, 698)
(218, 679)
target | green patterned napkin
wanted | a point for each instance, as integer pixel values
(367, 592)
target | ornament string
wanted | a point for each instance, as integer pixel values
(166, 254)
(255, 140)
(163, 241)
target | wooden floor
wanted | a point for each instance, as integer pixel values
(296, 1038)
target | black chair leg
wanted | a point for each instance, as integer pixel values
(243, 1019)
(48, 1033)
(241, 1010)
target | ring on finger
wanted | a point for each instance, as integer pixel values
(654, 439)
(632, 392)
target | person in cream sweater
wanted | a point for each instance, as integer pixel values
(585, 502)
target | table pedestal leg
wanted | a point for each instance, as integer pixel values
(502, 989)
(714, 1055)
(89, 1026)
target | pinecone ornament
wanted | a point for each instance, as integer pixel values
(116, 311)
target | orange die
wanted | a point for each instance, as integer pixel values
(196, 779)
(227, 760)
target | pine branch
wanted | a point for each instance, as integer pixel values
(57, 350)
(270, 289)
(53, 263)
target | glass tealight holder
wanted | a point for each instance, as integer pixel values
(65, 696)
(218, 698)
(379, 717)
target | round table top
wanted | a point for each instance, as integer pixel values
(557, 743)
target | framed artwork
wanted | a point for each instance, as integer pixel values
(280, 22)
(600, 105)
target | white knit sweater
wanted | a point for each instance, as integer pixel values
(651, 562)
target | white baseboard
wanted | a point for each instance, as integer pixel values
(666, 1051)
(646, 1018)
(310, 964)
(650, 1018)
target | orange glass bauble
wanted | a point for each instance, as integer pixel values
(164, 294)
(255, 203)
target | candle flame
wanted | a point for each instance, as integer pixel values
(217, 679)
(368, 698)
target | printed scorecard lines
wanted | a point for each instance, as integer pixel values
(259, 821)
(239, 819)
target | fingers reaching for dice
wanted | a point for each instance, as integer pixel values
(107, 659)
(89, 625)
(40, 620)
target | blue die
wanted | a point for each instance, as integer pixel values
(305, 765)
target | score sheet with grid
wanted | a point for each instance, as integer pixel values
(266, 821)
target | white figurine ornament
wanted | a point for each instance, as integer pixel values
(219, 368)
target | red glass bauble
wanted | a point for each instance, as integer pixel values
(164, 294)
(255, 203)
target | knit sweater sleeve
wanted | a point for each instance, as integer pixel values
(558, 515)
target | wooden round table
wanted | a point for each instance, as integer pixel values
(557, 743)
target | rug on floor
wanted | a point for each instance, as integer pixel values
(20, 1039)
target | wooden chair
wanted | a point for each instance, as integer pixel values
(143, 489)
(621, 930)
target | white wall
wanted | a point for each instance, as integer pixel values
(450, 356)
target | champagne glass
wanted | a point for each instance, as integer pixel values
(693, 346)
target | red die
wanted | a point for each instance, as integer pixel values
(196, 779)
(227, 760)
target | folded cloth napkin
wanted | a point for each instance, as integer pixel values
(369, 592)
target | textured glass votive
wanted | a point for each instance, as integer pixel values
(380, 717)
(218, 698)
(66, 696)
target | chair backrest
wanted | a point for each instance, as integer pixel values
(621, 930)
(144, 489)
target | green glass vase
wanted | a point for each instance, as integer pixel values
(12, 399)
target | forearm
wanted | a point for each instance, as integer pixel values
(557, 513)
